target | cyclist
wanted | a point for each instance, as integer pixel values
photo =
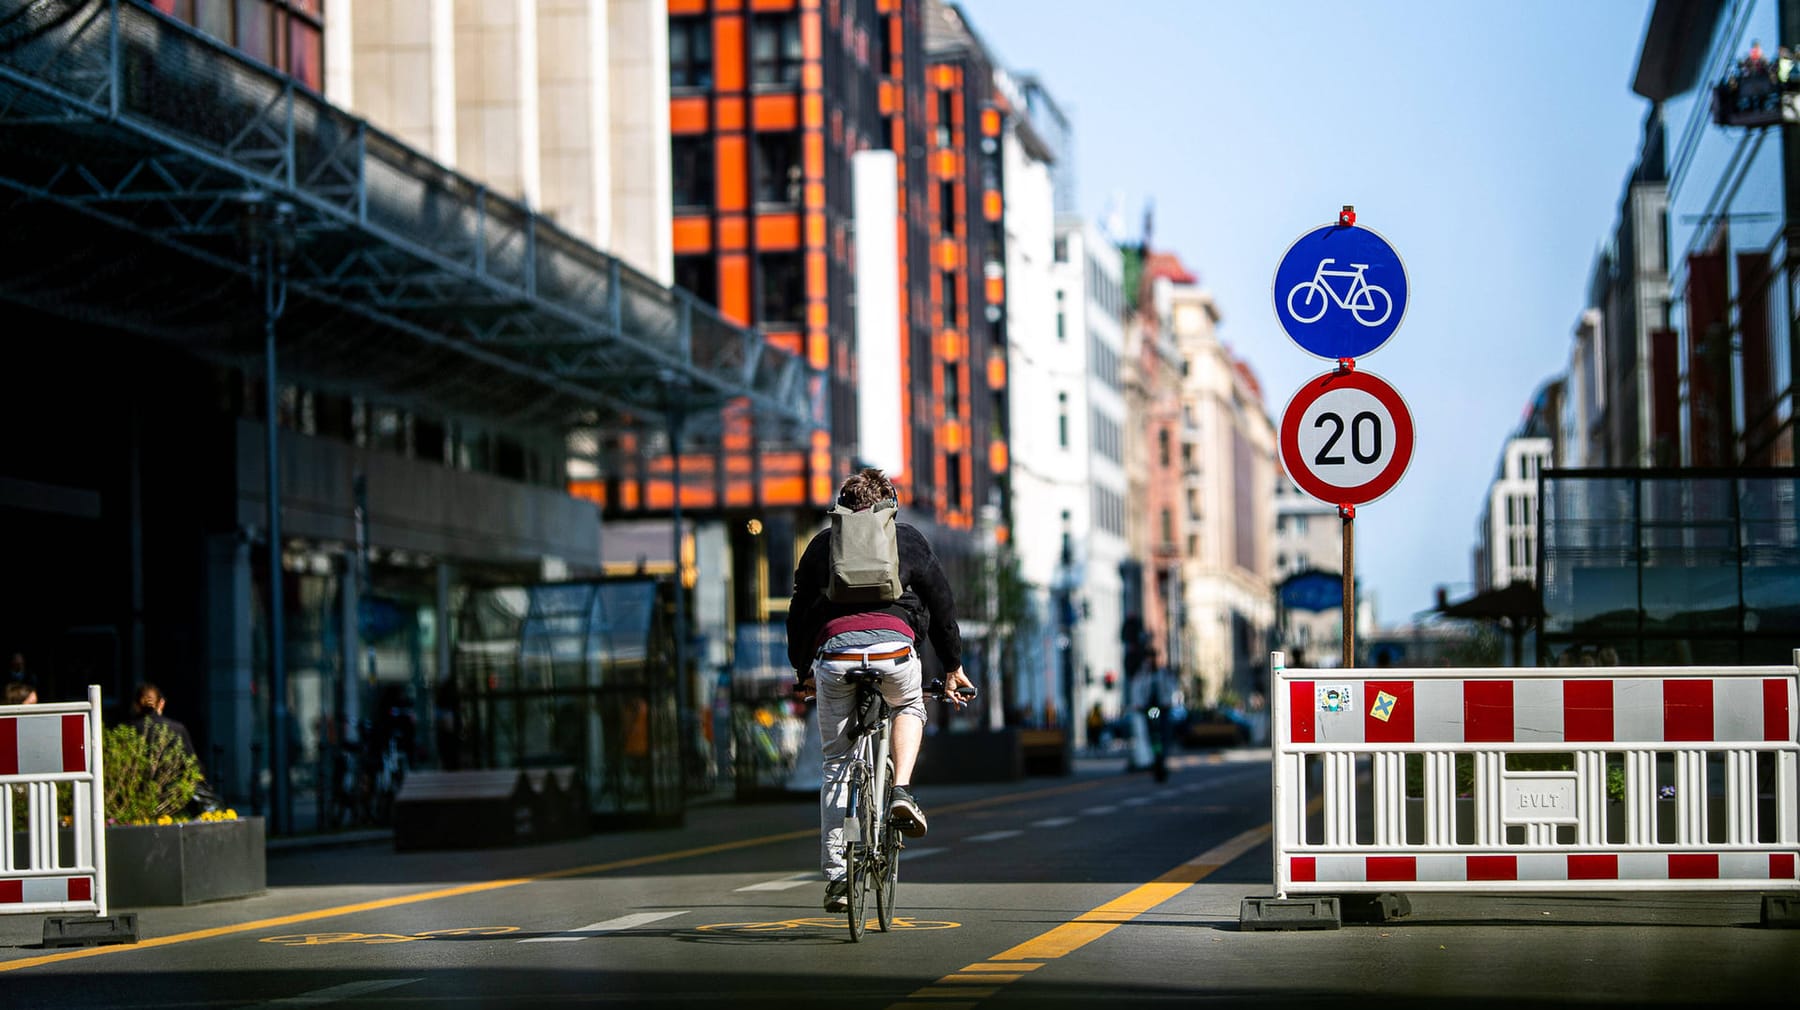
(827, 639)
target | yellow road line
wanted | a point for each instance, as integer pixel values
(1096, 923)
(490, 885)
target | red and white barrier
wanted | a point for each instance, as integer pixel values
(40, 747)
(1482, 780)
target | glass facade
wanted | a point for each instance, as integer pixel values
(578, 674)
(1670, 569)
(1729, 314)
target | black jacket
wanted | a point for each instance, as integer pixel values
(144, 723)
(927, 603)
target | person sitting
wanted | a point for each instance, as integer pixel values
(147, 714)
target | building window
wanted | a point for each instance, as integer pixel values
(947, 208)
(1062, 420)
(691, 164)
(783, 280)
(690, 53)
(285, 34)
(952, 390)
(1061, 249)
(947, 292)
(946, 104)
(1062, 321)
(775, 51)
(1168, 527)
(1162, 446)
(953, 483)
(1300, 525)
(699, 276)
(778, 168)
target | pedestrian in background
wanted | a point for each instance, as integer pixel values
(147, 714)
(19, 693)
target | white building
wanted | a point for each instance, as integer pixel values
(1308, 537)
(561, 103)
(1045, 381)
(1090, 307)
(1506, 541)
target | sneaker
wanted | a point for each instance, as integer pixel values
(906, 813)
(837, 896)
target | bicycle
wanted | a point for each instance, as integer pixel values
(1361, 298)
(871, 844)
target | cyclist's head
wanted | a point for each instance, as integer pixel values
(867, 488)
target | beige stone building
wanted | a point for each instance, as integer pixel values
(563, 103)
(1227, 465)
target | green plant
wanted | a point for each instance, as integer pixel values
(147, 776)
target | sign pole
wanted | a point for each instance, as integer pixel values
(1348, 514)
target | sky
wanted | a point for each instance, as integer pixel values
(1488, 143)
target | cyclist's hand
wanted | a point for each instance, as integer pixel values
(954, 687)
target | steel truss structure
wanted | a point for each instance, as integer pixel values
(130, 143)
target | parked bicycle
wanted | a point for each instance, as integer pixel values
(871, 844)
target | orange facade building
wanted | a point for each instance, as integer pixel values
(770, 100)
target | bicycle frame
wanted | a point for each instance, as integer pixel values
(1359, 285)
(870, 754)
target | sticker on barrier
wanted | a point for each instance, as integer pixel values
(1499, 780)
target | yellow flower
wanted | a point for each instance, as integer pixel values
(230, 814)
(165, 819)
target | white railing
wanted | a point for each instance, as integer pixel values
(1580, 779)
(42, 747)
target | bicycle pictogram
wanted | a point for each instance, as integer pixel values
(1369, 304)
(833, 922)
(321, 939)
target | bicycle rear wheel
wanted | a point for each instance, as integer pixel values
(887, 876)
(858, 855)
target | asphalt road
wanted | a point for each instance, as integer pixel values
(1101, 888)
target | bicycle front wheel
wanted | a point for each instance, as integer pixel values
(1374, 307)
(859, 855)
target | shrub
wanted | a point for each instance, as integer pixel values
(147, 777)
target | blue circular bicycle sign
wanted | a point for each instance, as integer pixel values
(1340, 291)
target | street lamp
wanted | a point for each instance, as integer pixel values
(266, 237)
(676, 389)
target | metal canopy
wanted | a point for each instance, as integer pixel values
(128, 145)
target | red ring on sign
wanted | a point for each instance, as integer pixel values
(1374, 487)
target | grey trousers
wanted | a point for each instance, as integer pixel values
(900, 685)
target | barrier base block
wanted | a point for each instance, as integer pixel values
(1318, 911)
(91, 932)
(1781, 911)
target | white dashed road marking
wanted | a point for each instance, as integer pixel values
(994, 836)
(785, 883)
(1099, 811)
(339, 993)
(609, 926)
(1053, 822)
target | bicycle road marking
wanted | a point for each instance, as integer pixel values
(339, 993)
(623, 922)
(213, 932)
(321, 939)
(820, 922)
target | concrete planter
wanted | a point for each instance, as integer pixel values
(186, 863)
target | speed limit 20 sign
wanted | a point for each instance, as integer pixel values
(1346, 437)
